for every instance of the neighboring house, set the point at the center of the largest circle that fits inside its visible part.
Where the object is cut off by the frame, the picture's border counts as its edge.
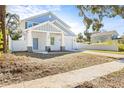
(44, 32)
(103, 36)
(121, 39)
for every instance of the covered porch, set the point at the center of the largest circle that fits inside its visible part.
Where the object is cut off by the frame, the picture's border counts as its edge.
(45, 41)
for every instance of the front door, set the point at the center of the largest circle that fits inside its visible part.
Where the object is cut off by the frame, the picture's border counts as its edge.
(35, 43)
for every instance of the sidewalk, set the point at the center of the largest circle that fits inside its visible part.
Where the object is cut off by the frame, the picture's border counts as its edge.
(72, 78)
(105, 54)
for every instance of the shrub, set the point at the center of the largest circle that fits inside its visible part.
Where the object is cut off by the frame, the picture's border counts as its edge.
(121, 47)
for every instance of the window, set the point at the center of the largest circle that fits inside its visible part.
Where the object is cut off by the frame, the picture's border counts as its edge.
(29, 24)
(114, 37)
(35, 24)
(26, 25)
(52, 40)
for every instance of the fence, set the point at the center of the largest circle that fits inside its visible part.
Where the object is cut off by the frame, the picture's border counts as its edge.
(18, 45)
(113, 47)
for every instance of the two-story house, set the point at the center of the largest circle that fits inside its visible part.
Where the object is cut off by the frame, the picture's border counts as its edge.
(44, 32)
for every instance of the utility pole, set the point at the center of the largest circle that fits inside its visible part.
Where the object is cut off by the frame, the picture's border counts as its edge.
(2, 19)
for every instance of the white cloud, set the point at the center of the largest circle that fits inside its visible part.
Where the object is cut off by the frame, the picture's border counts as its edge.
(26, 11)
(53, 8)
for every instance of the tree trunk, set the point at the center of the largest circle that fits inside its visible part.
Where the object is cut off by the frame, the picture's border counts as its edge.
(2, 19)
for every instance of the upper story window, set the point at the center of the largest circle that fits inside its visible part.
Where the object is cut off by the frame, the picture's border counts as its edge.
(35, 24)
(30, 24)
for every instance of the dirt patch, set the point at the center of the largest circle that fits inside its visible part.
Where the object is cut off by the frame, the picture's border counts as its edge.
(15, 69)
(86, 84)
(113, 80)
(42, 56)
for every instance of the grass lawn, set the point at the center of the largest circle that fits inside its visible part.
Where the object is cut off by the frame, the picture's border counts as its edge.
(113, 80)
(15, 69)
(105, 51)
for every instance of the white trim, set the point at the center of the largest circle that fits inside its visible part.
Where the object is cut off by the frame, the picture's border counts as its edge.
(47, 39)
(56, 27)
(51, 23)
(59, 23)
(60, 20)
(37, 25)
(68, 30)
(29, 38)
(29, 18)
(44, 24)
(44, 31)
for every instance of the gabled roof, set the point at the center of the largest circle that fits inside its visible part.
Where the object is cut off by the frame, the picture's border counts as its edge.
(104, 33)
(47, 13)
(64, 28)
(56, 28)
(70, 33)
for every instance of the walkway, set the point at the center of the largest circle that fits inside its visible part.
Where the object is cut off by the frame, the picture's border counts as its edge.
(72, 78)
(105, 54)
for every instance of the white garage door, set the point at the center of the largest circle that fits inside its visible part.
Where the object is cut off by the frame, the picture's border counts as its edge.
(68, 42)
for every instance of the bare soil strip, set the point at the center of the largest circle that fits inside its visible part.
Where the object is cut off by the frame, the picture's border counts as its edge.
(15, 69)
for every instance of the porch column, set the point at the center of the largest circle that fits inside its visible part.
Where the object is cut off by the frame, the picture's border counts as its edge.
(29, 39)
(47, 47)
(62, 47)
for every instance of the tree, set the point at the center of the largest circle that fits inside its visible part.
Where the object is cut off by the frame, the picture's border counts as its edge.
(2, 27)
(13, 26)
(93, 15)
(80, 37)
(98, 12)
(88, 35)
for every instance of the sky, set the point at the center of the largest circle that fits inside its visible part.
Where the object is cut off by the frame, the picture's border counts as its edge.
(68, 13)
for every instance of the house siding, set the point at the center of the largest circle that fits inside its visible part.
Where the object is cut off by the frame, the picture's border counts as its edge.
(103, 38)
(69, 42)
(57, 42)
(41, 40)
(47, 27)
(44, 25)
